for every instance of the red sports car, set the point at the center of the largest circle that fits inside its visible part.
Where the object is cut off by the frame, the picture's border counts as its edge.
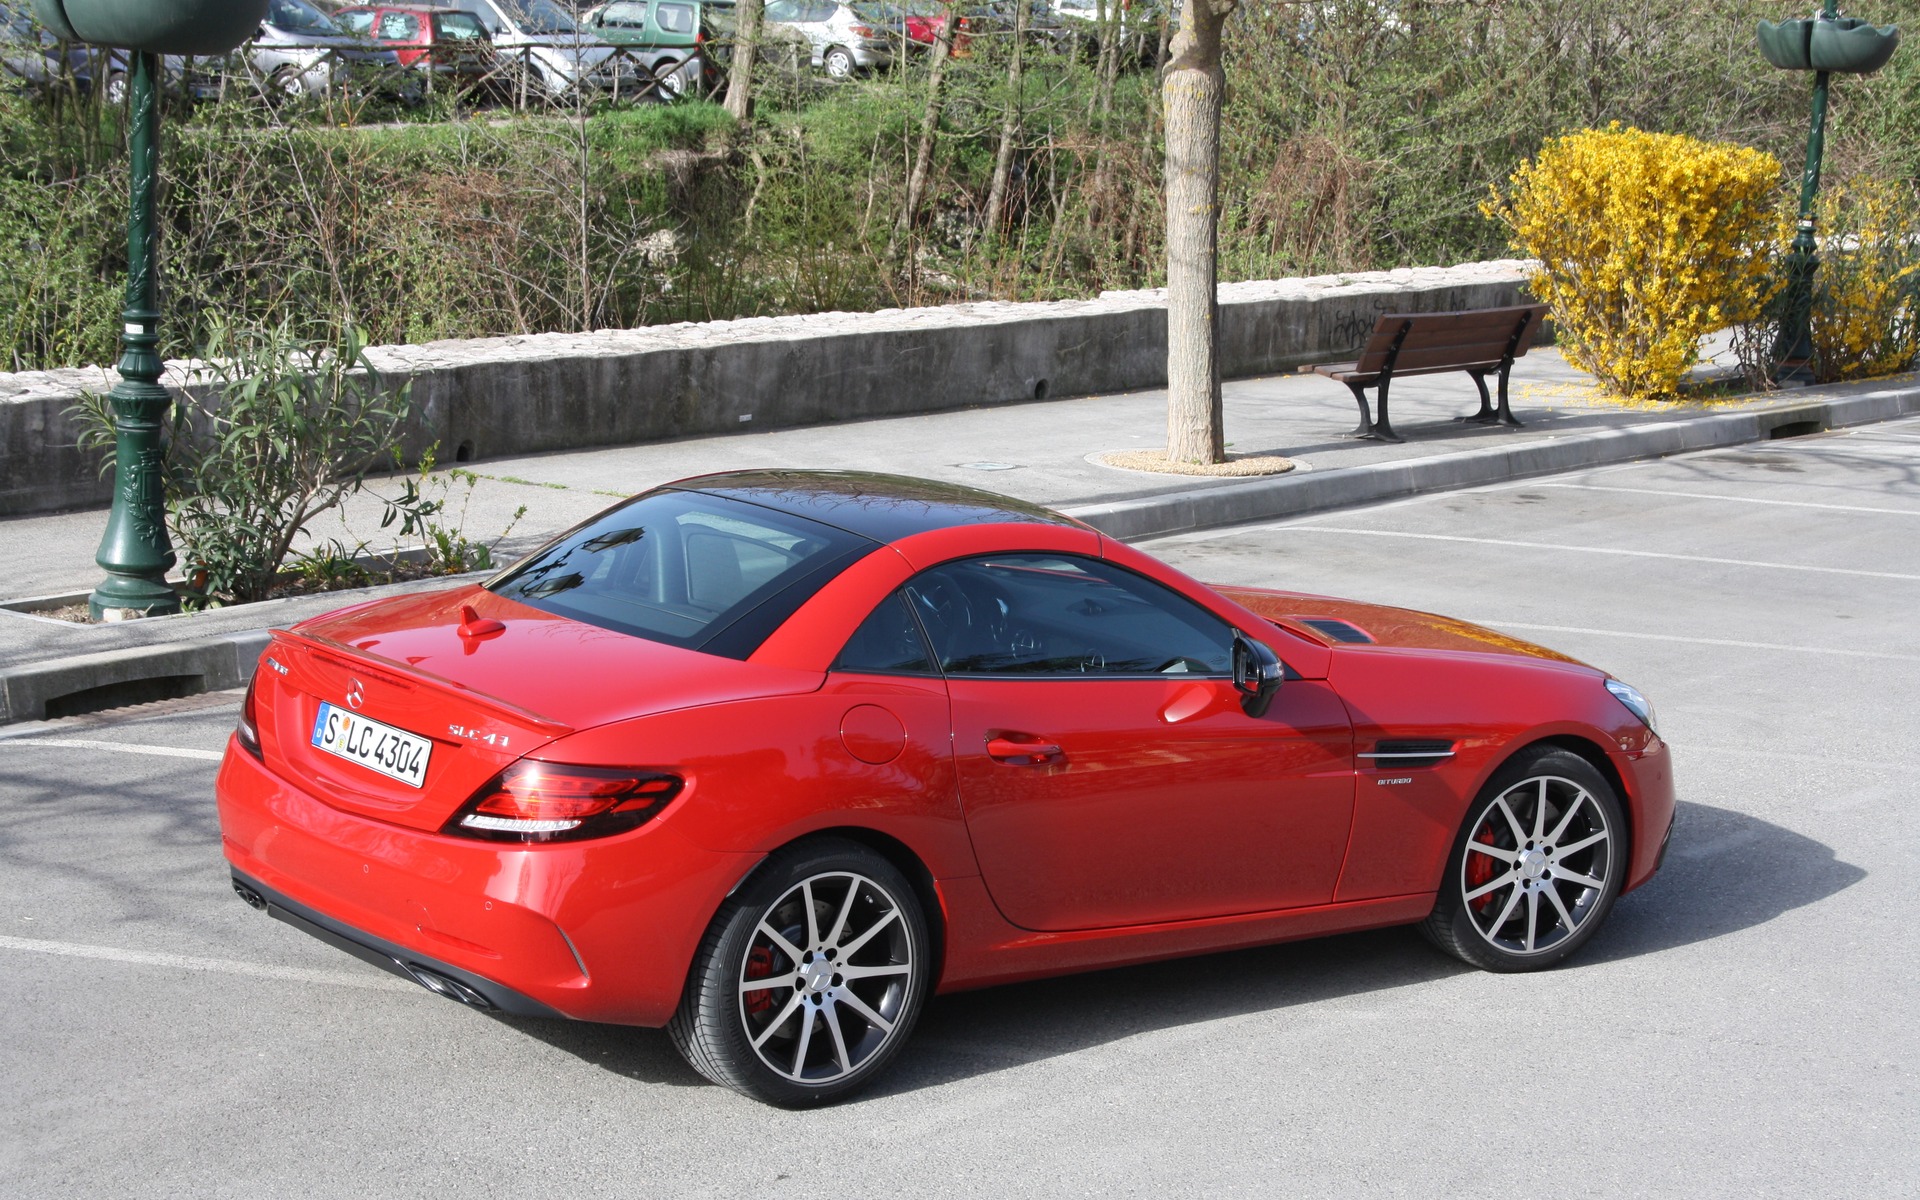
(770, 757)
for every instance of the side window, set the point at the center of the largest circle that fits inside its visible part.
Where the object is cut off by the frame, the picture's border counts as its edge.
(783, 10)
(398, 27)
(624, 16)
(674, 18)
(1053, 614)
(357, 23)
(887, 643)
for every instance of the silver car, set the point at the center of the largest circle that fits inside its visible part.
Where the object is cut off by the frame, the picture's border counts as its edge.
(302, 51)
(845, 36)
(542, 38)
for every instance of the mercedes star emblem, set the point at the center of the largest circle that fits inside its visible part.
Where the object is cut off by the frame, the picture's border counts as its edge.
(356, 694)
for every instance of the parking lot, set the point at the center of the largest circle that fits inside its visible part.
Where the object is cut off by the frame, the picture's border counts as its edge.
(1742, 1026)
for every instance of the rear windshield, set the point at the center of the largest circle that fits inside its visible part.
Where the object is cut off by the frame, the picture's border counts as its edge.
(684, 568)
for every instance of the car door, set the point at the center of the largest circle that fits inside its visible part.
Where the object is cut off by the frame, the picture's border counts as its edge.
(1108, 772)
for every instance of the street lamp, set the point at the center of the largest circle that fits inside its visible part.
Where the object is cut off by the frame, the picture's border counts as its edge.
(135, 551)
(1823, 43)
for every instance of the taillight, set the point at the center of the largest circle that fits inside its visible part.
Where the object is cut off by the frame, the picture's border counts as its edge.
(555, 802)
(247, 732)
(865, 31)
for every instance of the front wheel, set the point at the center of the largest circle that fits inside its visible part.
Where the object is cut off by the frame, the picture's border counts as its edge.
(809, 979)
(1537, 866)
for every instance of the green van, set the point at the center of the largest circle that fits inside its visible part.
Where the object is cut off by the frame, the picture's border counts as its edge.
(665, 36)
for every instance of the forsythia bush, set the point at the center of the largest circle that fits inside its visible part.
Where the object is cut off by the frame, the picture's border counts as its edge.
(1646, 241)
(1866, 304)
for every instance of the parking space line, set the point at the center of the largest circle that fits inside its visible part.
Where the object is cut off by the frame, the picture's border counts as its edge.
(119, 747)
(188, 962)
(1639, 636)
(1609, 550)
(1640, 491)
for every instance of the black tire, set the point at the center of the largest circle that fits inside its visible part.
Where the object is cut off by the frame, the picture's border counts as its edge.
(808, 1038)
(1520, 890)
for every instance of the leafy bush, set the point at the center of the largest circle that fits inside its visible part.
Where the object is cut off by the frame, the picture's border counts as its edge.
(1866, 301)
(1646, 241)
(284, 429)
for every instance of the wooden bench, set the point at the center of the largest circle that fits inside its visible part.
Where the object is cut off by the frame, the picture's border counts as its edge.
(1478, 342)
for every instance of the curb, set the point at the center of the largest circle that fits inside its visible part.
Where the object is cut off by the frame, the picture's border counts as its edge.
(110, 679)
(1315, 491)
(82, 683)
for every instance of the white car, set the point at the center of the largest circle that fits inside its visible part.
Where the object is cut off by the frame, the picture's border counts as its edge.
(845, 37)
(544, 38)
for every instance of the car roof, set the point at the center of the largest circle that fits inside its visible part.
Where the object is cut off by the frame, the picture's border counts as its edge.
(885, 508)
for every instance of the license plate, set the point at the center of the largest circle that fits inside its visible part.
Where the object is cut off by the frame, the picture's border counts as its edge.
(394, 753)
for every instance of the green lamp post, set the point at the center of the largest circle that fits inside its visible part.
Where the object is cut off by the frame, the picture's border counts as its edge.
(135, 551)
(1824, 43)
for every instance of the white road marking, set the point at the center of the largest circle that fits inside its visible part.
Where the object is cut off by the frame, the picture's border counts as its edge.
(1639, 636)
(1689, 558)
(187, 962)
(1640, 491)
(120, 747)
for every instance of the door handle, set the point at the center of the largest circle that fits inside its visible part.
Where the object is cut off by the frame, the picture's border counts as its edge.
(1022, 752)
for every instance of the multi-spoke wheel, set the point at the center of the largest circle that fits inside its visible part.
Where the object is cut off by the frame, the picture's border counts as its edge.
(1537, 866)
(809, 980)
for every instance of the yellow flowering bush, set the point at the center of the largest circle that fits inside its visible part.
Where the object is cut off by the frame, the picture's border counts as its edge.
(1646, 241)
(1866, 300)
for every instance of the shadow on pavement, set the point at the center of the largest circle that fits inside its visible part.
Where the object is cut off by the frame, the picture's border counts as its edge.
(1726, 872)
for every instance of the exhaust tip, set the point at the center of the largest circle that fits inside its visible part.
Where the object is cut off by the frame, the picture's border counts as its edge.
(452, 989)
(254, 899)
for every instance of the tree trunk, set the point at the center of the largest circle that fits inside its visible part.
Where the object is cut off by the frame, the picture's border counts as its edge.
(746, 44)
(929, 121)
(1009, 125)
(1192, 92)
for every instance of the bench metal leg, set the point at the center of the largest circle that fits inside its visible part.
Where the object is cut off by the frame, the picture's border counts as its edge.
(1382, 429)
(1506, 413)
(1365, 428)
(1486, 415)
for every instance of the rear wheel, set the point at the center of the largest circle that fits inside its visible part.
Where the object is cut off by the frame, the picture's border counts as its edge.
(810, 978)
(838, 61)
(1537, 866)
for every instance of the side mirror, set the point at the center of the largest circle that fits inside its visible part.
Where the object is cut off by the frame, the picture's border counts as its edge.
(1257, 673)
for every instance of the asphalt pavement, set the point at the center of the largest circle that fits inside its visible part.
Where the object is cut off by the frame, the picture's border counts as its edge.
(1742, 1026)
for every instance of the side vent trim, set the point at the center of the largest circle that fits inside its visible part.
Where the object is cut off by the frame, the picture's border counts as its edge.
(1409, 752)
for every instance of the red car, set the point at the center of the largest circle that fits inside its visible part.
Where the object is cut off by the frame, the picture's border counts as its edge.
(924, 19)
(770, 757)
(449, 42)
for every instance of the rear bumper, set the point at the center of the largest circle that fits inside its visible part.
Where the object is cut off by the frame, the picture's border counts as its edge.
(601, 930)
(439, 977)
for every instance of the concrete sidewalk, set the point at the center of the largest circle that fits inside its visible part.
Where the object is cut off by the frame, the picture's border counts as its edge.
(1042, 451)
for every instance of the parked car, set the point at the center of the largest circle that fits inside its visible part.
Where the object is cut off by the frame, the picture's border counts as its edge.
(925, 19)
(846, 36)
(542, 39)
(667, 37)
(302, 51)
(1001, 16)
(450, 44)
(770, 757)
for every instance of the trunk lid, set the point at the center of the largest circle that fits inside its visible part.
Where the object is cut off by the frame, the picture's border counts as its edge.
(480, 701)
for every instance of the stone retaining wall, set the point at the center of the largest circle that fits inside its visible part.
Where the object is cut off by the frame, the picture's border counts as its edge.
(518, 395)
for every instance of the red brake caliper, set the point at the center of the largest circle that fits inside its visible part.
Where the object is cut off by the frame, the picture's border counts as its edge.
(759, 966)
(1480, 870)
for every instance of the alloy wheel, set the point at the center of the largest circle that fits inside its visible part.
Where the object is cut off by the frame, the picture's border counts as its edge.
(1536, 865)
(827, 975)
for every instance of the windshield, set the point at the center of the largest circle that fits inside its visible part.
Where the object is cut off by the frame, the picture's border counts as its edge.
(297, 16)
(870, 10)
(685, 568)
(540, 16)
